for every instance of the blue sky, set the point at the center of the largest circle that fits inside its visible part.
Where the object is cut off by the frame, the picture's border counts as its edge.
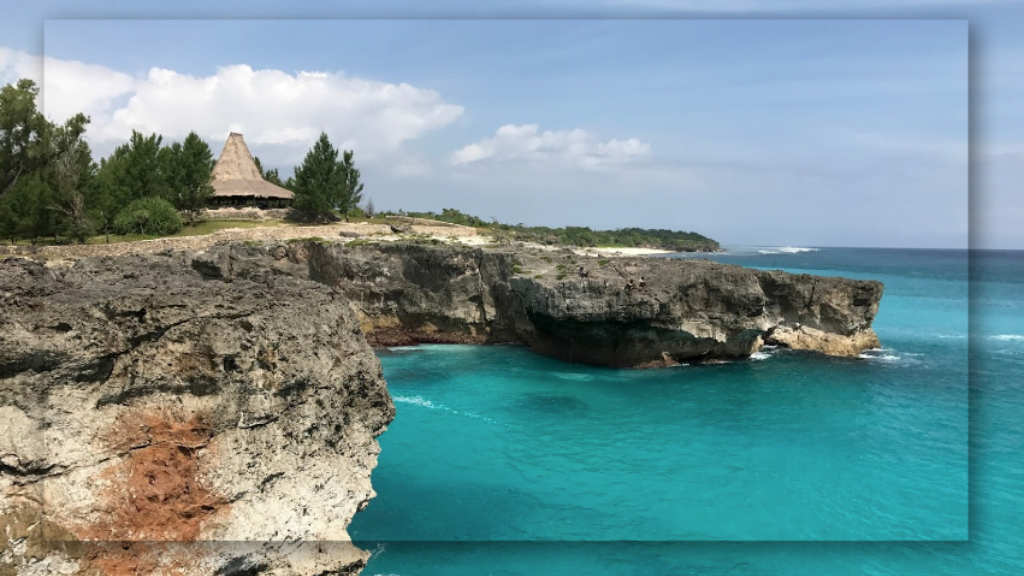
(772, 132)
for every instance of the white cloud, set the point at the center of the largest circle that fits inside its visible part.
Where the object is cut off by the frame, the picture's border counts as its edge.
(69, 87)
(280, 112)
(275, 107)
(15, 64)
(572, 148)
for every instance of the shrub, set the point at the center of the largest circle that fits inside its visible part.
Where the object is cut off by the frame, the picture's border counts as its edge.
(150, 216)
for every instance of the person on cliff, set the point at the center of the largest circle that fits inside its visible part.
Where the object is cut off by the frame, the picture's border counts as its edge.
(629, 285)
(642, 283)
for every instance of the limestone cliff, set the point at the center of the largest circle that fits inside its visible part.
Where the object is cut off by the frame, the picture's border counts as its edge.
(690, 309)
(156, 420)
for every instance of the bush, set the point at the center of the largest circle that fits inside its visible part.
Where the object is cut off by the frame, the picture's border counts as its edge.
(149, 216)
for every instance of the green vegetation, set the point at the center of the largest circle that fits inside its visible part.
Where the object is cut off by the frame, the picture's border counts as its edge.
(152, 216)
(325, 186)
(602, 262)
(577, 235)
(53, 191)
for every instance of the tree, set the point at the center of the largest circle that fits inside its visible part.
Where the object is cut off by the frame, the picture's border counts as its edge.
(71, 171)
(273, 177)
(189, 169)
(370, 211)
(32, 199)
(270, 174)
(144, 173)
(351, 193)
(105, 196)
(21, 133)
(318, 181)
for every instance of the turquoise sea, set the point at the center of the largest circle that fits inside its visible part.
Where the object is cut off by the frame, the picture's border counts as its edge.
(905, 461)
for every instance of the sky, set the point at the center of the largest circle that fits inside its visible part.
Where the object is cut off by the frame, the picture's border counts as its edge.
(785, 129)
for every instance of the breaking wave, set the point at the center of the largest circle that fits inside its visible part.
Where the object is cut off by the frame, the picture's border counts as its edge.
(889, 355)
(785, 250)
(766, 352)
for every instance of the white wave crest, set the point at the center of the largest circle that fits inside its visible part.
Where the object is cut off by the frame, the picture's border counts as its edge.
(784, 250)
(1008, 337)
(758, 356)
(418, 401)
(424, 403)
(879, 354)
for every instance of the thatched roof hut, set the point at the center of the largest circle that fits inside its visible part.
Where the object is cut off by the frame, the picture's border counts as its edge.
(237, 180)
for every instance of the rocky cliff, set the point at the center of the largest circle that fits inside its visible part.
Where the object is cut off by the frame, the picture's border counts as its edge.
(690, 309)
(158, 420)
(216, 412)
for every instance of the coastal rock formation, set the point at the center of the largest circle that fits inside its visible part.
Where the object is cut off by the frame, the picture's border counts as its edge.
(689, 310)
(157, 418)
(216, 412)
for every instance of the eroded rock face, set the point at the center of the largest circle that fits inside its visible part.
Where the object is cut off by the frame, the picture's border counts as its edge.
(156, 419)
(689, 310)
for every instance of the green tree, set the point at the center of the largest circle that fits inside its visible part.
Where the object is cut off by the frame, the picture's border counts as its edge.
(273, 177)
(143, 173)
(318, 181)
(270, 174)
(351, 193)
(71, 171)
(105, 195)
(189, 169)
(9, 220)
(32, 198)
(22, 131)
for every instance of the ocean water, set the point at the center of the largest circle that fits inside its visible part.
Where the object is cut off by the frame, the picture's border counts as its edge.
(905, 461)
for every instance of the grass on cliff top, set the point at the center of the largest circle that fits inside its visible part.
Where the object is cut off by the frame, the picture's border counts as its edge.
(580, 236)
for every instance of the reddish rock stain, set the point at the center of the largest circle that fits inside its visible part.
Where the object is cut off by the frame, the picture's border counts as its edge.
(155, 495)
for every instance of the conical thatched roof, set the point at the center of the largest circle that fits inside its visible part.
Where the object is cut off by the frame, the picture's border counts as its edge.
(236, 173)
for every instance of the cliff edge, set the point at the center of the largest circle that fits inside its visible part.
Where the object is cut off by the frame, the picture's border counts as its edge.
(154, 420)
(690, 310)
